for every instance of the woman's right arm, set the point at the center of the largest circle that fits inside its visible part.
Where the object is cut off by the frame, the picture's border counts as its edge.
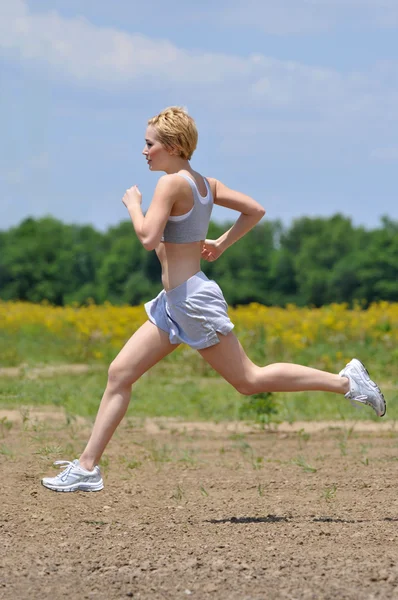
(251, 213)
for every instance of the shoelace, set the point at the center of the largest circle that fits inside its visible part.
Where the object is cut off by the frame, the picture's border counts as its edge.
(68, 468)
(361, 398)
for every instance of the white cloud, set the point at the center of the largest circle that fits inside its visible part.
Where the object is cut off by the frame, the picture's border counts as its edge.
(79, 50)
(76, 49)
(284, 101)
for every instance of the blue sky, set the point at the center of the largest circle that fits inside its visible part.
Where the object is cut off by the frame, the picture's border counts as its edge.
(295, 101)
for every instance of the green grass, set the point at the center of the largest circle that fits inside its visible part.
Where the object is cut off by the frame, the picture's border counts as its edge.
(183, 385)
(33, 344)
(164, 392)
(196, 398)
(319, 406)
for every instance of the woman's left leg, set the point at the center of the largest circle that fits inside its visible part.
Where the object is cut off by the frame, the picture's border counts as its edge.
(230, 360)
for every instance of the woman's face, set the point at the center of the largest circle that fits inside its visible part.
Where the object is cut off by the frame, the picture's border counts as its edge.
(156, 155)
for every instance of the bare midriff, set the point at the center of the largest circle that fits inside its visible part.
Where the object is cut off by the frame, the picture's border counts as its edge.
(179, 262)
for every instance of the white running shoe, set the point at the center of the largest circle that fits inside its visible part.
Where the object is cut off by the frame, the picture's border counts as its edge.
(74, 478)
(362, 388)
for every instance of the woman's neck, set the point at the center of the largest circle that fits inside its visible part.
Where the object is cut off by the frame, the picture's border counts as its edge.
(179, 164)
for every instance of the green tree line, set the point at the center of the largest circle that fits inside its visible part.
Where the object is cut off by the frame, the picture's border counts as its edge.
(314, 261)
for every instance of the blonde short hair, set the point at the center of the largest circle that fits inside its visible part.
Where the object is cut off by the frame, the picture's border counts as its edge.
(176, 130)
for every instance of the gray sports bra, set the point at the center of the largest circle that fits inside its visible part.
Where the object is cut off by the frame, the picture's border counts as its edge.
(193, 225)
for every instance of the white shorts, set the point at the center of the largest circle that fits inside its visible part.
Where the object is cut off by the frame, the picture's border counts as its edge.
(193, 313)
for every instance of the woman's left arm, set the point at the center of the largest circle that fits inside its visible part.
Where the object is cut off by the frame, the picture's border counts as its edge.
(149, 228)
(251, 213)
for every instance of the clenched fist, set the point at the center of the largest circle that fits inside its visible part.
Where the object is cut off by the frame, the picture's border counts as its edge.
(132, 196)
(211, 250)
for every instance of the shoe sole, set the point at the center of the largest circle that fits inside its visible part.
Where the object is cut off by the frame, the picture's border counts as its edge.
(362, 367)
(77, 488)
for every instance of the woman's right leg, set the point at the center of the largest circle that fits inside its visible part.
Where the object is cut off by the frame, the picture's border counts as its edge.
(230, 360)
(145, 348)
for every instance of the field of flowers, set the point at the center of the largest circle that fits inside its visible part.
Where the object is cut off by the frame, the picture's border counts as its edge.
(324, 337)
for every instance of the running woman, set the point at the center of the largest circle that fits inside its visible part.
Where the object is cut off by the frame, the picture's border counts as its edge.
(191, 308)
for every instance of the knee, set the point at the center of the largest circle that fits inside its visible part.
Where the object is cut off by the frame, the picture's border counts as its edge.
(118, 377)
(247, 385)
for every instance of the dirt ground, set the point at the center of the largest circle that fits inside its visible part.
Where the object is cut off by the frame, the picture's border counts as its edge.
(201, 511)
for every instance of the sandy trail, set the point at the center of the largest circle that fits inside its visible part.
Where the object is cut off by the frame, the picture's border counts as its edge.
(202, 510)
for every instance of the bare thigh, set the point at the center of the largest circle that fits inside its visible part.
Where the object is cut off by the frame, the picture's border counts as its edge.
(230, 360)
(147, 346)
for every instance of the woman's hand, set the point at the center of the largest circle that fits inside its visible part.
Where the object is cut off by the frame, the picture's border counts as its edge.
(211, 250)
(132, 197)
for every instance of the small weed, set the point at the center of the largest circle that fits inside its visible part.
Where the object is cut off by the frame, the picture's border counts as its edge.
(160, 454)
(262, 408)
(5, 451)
(257, 462)
(25, 414)
(261, 489)
(5, 426)
(303, 436)
(329, 493)
(321, 457)
(178, 494)
(301, 462)
(364, 450)
(188, 457)
(32, 425)
(133, 464)
(342, 444)
(248, 452)
(203, 491)
(48, 450)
